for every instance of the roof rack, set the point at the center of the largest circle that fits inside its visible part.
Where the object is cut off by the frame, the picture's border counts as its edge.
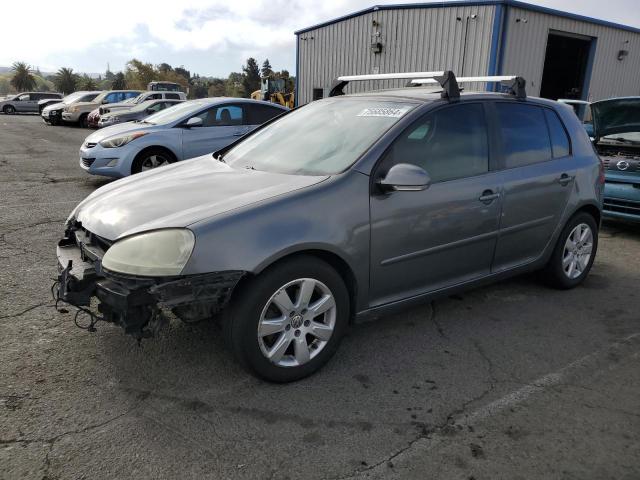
(516, 85)
(446, 79)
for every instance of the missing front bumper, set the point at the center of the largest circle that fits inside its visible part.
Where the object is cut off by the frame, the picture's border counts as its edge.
(137, 304)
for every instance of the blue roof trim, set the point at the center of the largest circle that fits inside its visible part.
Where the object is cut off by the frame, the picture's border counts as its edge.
(476, 3)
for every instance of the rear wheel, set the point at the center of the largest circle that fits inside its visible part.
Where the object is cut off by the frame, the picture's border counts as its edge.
(286, 323)
(150, 159)
(9, 109)
(574, 253)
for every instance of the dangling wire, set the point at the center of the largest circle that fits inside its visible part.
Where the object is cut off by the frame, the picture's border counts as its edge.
(80, 310)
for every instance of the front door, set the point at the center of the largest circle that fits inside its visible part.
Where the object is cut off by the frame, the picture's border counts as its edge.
(423, 241)
(221, 125)
(538, 176)
(27, 103)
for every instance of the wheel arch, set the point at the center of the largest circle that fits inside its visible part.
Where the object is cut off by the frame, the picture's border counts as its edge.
(148, 148)
(336, 261)
(591, 209)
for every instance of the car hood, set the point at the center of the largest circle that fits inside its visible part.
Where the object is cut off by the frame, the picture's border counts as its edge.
(55, 106)
(179, 195)
(103, 133)
(616, 116)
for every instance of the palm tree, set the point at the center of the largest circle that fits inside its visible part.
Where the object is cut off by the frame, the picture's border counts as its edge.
(88, 83)
(22, 79)
(119, 82)
(65, 80)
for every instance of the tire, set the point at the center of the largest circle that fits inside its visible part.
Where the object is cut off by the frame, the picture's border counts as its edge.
(566, 268)
(253, 314)
(82, 121)
(145, 160)
(9, 109)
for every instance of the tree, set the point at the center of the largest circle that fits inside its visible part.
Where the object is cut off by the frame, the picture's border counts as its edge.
(266, 69)
(5, 86)
(119, 82)
(66, 81)
(88, 83)
(182, 72)
(234, 85)
(165, 67)
(217, 87)
(139, 74)
(22, 79)
(109, 75)
(251, 80)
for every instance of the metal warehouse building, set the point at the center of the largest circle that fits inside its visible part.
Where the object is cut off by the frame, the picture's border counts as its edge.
(561, 55)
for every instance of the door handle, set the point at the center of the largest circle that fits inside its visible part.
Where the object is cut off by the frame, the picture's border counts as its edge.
(565, 179)
(488, 196)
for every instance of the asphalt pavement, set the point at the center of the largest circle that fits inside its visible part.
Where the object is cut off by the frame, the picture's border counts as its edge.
(514, 381)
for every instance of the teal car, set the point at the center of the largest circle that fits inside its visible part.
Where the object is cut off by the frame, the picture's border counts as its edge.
(614, 127)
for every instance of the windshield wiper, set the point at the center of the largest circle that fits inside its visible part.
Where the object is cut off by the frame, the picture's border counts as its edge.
(220, 158)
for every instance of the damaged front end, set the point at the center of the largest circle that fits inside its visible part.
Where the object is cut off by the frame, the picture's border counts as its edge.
(137, 304)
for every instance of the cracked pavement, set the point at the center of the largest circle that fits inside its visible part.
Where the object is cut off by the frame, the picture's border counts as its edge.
(512, 381)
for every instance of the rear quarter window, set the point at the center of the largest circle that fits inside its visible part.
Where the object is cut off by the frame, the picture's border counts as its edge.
(560, 145)
(525, 136)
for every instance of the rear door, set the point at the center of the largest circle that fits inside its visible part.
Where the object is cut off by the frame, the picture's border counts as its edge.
(221, 125)
(538, 176)
(423, 241)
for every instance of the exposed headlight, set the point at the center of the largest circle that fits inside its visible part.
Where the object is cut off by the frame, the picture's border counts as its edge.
(73, 109)
(155, 254)
(115, 142)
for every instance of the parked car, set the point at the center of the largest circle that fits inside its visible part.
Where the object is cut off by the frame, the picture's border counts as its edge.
(53, 113)
(138, 112)
(616, 132)
(345, 208)
(187, 130)
(25, 102)
(143, 97)
(79, 112)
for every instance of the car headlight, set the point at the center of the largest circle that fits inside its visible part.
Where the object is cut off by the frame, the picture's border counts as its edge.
(73, 109)
(155, 254)
(119, 141)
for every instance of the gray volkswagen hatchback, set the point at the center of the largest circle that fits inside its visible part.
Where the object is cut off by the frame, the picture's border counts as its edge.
(347, 207)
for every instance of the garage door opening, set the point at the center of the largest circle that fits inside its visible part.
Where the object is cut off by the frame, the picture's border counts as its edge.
(567, 66)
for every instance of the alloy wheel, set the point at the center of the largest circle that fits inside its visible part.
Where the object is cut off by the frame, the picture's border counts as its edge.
(154, 161)
(577, 251)
(297, 322)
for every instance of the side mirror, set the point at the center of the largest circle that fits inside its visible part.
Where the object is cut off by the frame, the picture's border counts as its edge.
(193, 122)
(405, 177)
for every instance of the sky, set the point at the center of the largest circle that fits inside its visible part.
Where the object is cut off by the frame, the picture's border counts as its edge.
(208, 37)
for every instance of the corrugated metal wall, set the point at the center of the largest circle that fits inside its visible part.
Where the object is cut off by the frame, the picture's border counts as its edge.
(526, 43)
(414, 39)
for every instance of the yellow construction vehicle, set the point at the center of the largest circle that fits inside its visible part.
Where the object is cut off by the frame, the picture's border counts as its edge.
(272, 90)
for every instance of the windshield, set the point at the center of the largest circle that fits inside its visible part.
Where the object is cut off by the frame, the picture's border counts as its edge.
(174, 113)
(323, 138)
(71, 97)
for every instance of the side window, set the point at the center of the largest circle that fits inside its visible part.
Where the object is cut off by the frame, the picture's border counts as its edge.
(156, 107)
(449, 143)
(560, 145)
(24, 98)
(222, 116)
(112, 97)
(154, 96)
(227, 115)
(259, 114)
(36, 96)
(172, 96)
(525, 136)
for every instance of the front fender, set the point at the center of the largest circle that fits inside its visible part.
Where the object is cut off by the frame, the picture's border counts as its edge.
(331, 216)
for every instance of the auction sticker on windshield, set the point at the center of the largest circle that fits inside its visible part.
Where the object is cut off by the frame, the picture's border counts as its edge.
(384, 112)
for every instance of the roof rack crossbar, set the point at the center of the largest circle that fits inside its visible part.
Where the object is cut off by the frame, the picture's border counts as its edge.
(446, 79)
(515, 84)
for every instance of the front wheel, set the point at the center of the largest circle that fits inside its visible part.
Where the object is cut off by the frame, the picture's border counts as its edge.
(286, 323)
(150, 159)
(574, 253)
(9, 109)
